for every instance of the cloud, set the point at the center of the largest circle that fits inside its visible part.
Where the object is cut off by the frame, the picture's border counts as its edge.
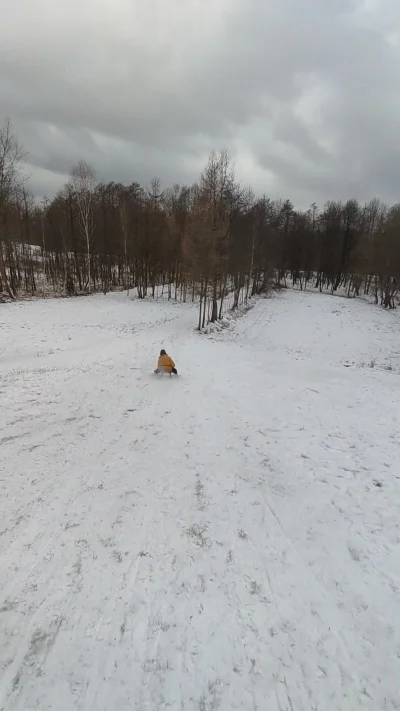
(304, 95)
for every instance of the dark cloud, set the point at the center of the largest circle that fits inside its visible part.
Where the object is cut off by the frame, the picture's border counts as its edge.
(303, 94)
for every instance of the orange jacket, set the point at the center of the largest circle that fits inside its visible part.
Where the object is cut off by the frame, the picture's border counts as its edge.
(165, 364)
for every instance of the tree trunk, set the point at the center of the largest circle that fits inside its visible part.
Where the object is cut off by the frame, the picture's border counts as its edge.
(88, 258)
(4, 278)
(214, 312)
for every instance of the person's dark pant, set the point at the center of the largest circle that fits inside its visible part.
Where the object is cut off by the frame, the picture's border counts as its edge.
(174, 371)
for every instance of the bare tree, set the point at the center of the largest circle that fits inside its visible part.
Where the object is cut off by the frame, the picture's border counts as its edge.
(83, 179)
(11, 181)
(217, 196)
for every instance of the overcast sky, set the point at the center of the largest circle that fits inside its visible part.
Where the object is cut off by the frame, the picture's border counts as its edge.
(305, 94)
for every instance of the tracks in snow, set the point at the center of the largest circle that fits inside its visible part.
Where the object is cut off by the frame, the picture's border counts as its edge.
(163, 543)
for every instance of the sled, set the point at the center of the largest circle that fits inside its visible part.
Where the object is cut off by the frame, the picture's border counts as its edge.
(162, 374)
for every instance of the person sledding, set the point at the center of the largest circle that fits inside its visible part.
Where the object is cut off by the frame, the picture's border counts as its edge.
(165, 364)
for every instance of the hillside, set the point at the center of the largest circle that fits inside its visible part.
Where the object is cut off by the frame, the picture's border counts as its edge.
(225, 540)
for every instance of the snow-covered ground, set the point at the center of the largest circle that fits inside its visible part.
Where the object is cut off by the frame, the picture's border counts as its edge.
(228, 540)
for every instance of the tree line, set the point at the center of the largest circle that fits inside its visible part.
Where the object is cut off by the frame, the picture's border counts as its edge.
(199, 242)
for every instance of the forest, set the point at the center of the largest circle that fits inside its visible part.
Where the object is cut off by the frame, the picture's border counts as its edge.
(200, 242)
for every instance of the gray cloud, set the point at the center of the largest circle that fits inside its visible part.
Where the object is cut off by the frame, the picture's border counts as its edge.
(303, 94)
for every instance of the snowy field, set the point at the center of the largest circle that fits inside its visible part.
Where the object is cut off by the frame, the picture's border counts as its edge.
(228, 540)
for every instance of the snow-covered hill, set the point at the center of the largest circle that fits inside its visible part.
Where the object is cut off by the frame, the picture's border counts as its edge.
(228, 540)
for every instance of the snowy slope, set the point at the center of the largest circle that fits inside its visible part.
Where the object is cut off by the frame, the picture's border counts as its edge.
(224, 541)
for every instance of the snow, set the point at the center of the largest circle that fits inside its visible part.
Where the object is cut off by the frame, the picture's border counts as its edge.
(226, 540)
